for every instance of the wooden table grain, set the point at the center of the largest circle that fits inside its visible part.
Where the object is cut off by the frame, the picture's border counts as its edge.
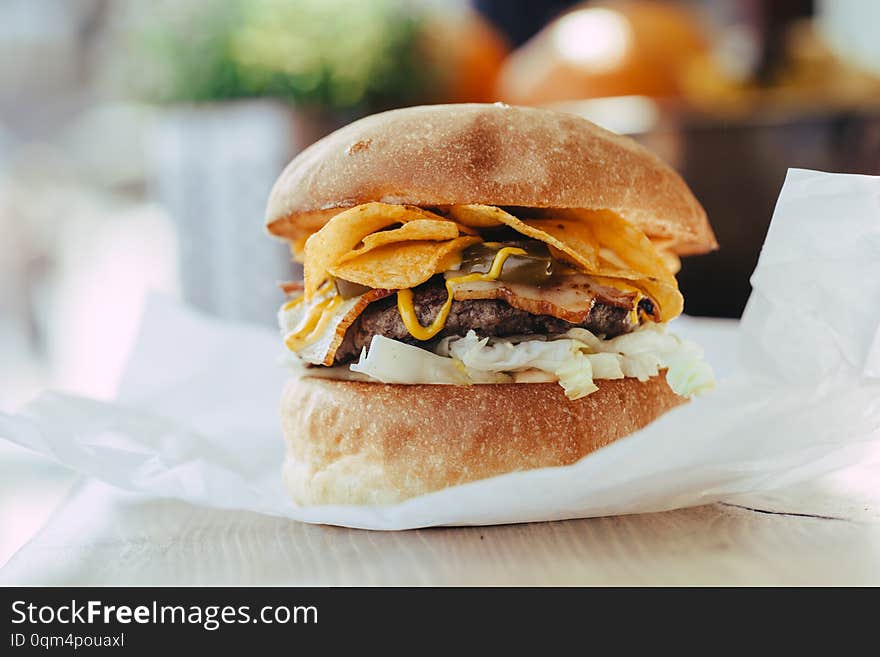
(826, 533)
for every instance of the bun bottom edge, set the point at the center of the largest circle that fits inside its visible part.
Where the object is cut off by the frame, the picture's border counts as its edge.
(361, 443)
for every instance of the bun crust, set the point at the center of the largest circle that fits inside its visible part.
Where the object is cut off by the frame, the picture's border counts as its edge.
(491, 154)
(370, 443)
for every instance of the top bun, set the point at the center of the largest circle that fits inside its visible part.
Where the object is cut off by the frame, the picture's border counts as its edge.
(490, 154)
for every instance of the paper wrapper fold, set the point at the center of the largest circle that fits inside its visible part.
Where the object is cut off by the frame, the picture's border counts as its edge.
(197, 416)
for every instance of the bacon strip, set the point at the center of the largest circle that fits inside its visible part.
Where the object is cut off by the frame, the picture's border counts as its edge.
(292, 287)
(570, 299)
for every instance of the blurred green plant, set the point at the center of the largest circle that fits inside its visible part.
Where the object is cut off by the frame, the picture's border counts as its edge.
(332, 55)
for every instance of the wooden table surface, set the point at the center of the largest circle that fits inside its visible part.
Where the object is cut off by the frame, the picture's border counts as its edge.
(824, 533)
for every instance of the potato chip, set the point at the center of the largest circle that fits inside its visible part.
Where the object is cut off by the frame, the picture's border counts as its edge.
(435, 230)
(345, 231)
(663, 291)
(672, 261)
(628, 242)
(400, 266)
(465, 230)
(475, 216)
(626, 253)
(571, 237)
(666, 296)
(298, 248)
(664, 248)
(598, 242)
(609, 232)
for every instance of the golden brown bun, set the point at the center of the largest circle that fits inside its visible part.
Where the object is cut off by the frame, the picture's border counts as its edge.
(491, 154)
(371, 443)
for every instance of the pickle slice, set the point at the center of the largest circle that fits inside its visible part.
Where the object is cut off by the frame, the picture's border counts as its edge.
(537, 267)
(349, 290)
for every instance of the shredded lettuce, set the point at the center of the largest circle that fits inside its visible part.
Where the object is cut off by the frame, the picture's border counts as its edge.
(578, 357)
(574, 359)
(505, 356)
(605, 366)
(576, 376)
(390, 361)
(563, 358)
(688, 373)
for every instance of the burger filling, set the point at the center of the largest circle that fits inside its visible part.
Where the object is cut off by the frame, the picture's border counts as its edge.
(474, 294)
(608, 315)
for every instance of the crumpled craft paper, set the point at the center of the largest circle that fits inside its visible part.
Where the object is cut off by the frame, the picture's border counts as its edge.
(196, 418)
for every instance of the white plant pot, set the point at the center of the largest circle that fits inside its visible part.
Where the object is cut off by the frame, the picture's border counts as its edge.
(214, 166)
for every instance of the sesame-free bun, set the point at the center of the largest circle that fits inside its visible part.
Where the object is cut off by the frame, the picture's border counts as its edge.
(351, 442)
(438, 155)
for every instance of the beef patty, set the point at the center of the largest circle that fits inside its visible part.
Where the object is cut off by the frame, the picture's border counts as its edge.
(487, 317)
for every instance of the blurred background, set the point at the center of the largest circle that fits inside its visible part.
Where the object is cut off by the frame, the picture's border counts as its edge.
(138, 143)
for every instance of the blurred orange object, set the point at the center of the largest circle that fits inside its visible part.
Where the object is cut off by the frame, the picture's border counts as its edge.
(622, 48)
(468, 52)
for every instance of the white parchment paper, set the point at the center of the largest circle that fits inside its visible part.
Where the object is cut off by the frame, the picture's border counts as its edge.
(197, 414)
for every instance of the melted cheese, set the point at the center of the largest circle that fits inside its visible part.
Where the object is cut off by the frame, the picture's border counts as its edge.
(322, 347)
(405, 298)
(312, 324)
(293, 303)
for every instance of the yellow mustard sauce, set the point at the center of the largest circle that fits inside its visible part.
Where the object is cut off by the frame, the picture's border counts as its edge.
(405, 297)
(312, 324)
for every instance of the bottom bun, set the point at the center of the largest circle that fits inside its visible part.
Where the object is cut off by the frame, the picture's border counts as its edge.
(350, 442)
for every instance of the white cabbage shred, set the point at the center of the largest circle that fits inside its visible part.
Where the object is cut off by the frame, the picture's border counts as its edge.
(391, 361)
(574, 359)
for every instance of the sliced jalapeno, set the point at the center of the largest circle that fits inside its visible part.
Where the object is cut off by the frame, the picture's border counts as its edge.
(536, 267)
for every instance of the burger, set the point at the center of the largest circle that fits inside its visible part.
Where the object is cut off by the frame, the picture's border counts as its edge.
(485, 290)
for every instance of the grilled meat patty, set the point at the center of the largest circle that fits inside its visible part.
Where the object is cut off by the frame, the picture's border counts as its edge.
(487, 317)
